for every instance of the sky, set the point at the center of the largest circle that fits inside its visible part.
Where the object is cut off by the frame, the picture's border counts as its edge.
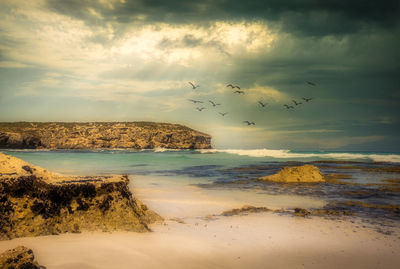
(131, 60)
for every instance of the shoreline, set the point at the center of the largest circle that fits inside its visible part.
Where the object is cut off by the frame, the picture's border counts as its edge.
(197, 234)
(278, 155)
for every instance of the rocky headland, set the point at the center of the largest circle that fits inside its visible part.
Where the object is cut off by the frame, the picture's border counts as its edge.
(100, 135)
(35, 201)
(296, 174)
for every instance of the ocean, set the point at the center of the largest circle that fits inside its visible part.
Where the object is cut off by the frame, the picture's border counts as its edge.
(367, 184)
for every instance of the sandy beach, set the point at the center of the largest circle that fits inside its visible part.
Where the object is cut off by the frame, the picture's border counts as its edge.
(262, 240)
(194, 235)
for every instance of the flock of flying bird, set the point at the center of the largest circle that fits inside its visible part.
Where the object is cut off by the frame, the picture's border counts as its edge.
(239, 92)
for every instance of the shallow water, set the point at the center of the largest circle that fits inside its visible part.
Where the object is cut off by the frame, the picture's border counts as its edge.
(228, 178)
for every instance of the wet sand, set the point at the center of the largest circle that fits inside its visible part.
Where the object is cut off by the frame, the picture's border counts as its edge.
(173, 198)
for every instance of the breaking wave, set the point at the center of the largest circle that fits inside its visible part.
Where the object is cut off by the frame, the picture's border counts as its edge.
(159, 149)
(287, 154)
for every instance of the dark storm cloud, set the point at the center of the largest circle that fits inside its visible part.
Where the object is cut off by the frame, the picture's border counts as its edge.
(359, 64)
(309, 17)
(77, 9)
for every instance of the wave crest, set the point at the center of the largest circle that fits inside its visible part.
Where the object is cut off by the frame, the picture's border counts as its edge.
(287, 154)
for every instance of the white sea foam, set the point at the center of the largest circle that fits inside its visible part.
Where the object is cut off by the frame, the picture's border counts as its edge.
(159, 149)
(287, 154)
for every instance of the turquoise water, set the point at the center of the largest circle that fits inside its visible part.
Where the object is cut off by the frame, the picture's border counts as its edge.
(131, 162)
(233, 171)
(128, 162)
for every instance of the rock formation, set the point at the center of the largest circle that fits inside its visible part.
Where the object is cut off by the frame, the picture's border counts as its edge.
(245, 210)
(98, 135)
(18, 258)
(34, 201)
(296, 174)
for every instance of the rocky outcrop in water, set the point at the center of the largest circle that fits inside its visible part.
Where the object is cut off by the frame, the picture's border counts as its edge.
(100, 135)
(34, 201)
(296, 174)
(19, 258)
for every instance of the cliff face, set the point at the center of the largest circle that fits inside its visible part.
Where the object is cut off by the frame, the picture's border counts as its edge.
(97, 135)
(34, 201)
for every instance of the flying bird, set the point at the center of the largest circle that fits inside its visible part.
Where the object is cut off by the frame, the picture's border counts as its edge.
(223, 114)
(249, 122)
(311, 83)
(262, 104)
(233, 86)
(214, 104)
(239, 92)
(200, 108)
(307, 99)
(296, 103)
(195, 101)
(287, 106)
(194, 86)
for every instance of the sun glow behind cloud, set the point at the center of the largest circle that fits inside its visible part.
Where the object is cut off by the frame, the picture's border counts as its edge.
(61, 42)
(67, 45)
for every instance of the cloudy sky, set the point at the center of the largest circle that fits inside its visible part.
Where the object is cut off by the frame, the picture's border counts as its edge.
(131, 60)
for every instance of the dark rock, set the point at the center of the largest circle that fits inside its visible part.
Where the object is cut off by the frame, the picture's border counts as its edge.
(245, 210)
(27, 168)
(301, 212)
(106, 203)
(19, 258)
